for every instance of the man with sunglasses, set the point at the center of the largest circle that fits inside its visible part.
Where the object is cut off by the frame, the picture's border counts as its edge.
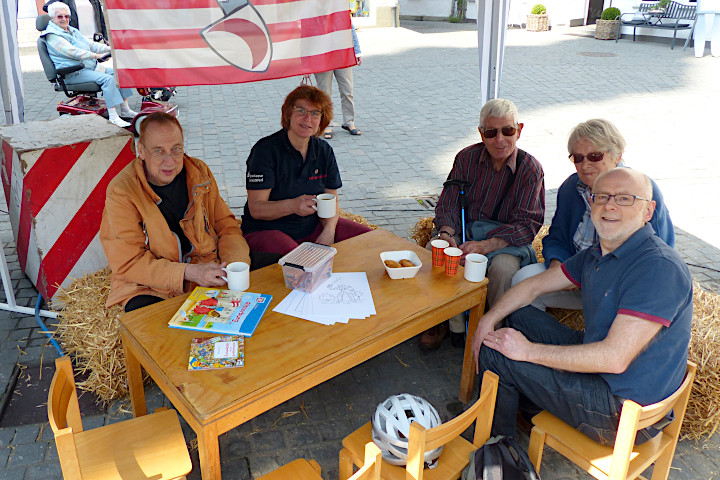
(595, 146)
(637, 294)
(505, 207)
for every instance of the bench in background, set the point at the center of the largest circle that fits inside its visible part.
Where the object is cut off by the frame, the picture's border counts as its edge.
(669, 18)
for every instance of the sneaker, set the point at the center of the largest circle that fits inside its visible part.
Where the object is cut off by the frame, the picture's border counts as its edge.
(120, 122)
(127, 113)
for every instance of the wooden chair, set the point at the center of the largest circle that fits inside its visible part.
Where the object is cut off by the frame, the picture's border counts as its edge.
(456, 452)
(148, 447)
(625, 460)
(302, 469)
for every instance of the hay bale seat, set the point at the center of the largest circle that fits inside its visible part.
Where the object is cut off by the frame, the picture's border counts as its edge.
(703, 411)
(90, 332)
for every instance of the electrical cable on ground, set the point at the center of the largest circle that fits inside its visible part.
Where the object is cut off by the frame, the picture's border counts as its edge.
(44, 329)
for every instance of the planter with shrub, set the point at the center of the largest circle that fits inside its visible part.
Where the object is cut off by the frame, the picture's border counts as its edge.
(606, 27)
(538, 21)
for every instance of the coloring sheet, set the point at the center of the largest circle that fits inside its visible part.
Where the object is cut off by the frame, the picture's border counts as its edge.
(342, 297)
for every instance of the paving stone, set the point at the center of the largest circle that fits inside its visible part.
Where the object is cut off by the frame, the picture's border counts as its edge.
(16, 473)
(25, 434)
(267, 440)
(235, 446)
(47, 471)
(302, 435)
(27, 454)
(4, 454)
(267, 462)
(6, 436)
(237, 468)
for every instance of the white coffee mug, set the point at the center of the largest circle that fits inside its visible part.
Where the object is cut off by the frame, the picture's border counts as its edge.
(238, 276)
(326, 204)
(475, 267)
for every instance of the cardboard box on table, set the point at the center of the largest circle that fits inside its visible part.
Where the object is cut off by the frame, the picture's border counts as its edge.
(54, 175)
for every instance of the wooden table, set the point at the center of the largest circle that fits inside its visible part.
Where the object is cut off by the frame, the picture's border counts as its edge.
(286, 355)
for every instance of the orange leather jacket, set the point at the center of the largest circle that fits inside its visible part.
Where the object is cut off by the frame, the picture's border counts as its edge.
(142, 251)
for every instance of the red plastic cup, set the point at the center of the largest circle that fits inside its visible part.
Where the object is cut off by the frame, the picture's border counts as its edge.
(438, 256)
(452, 260)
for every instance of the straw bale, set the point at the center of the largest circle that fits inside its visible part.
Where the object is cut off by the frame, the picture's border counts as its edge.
(703, 412)
(574, 319)
(422, 231)
(89, 331)
(357, 219)
(537, 242)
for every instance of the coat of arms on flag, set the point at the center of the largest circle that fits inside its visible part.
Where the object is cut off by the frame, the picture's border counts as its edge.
(210, 42)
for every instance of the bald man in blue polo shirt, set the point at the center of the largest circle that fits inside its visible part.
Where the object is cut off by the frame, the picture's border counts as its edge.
(637, 300)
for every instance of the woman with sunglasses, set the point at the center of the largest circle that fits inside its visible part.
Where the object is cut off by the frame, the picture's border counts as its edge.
(595, 147)
(286, 171)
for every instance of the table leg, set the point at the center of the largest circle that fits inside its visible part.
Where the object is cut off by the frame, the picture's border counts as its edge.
(135, 381)
(209, 451)
(467, 379)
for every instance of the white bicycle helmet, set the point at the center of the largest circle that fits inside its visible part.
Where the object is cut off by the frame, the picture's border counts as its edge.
(391, 426)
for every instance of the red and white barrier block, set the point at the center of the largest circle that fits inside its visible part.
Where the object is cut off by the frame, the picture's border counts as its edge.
(54, 176)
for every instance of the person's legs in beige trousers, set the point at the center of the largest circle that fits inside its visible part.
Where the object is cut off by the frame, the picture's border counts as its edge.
(344, 78)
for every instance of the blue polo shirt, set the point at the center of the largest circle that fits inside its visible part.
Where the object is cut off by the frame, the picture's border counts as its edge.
(647, 279)
(276, 165)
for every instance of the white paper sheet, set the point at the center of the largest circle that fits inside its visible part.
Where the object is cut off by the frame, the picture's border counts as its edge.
(342, 297)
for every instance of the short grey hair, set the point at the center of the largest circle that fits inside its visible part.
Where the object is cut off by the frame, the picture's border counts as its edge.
(601, 133)
(57, 7)
(498, 108)
(640, 178)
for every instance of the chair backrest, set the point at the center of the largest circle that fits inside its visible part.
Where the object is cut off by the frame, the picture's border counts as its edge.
(373, 462)
(633, 417)
(64, 415)
(41, 23)
(63, 407)
(680, 11)
(481, 413)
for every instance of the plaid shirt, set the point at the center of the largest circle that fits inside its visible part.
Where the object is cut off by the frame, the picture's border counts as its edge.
(522, 211)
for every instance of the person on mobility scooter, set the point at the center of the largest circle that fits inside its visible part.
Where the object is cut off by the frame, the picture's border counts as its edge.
(66, 46)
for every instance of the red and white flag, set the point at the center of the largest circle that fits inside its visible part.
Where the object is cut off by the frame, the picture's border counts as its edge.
(211, 42)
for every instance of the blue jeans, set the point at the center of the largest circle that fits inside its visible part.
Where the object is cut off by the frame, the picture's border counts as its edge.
(114, 96)
(582, 400)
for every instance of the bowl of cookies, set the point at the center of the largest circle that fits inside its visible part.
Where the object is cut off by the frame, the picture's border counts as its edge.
(401, 263)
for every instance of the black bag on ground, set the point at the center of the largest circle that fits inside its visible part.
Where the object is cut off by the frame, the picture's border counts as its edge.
(500, 458)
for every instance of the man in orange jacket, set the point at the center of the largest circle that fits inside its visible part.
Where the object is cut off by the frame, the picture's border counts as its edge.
(165, 227)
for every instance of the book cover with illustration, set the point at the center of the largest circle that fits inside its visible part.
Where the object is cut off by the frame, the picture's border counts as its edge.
(225, 351)
(214, 310)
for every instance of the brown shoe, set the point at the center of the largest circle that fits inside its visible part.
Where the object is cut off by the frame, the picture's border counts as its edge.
(432, 338)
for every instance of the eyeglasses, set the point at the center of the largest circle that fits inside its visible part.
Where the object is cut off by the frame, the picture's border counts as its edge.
(62, 16)
(304, 111)
(593, 157)
(492, 132)
(622, 200)
(160, 154)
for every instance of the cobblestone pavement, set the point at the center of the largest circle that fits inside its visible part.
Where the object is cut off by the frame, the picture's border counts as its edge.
(417, 105)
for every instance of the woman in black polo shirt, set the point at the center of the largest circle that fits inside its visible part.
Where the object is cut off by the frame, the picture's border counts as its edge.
(285, 171)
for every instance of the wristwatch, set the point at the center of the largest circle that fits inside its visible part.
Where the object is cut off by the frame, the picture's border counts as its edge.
(445, 232)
